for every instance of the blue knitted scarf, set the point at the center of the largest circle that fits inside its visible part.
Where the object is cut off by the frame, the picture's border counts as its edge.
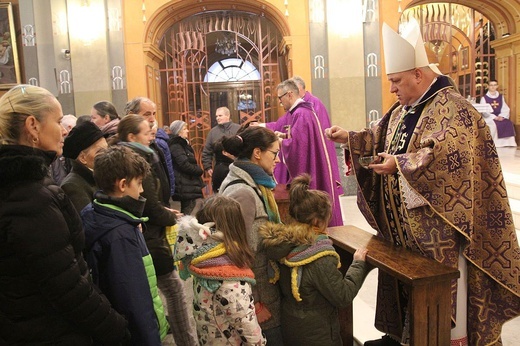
(265, 183)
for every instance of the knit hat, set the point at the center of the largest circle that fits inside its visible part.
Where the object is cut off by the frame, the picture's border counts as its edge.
(80, 138)
(177, 126)
(405, 51)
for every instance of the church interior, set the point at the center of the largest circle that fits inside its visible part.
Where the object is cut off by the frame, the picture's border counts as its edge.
(193, 56)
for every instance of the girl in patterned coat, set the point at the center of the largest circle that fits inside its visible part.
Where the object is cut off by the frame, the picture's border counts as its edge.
(213, 248)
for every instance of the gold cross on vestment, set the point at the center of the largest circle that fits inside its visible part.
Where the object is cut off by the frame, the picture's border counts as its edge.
(494, 104)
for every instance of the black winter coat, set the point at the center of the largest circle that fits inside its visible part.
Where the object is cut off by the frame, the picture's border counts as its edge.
(46, 295)
(188, 181)
(79, 185)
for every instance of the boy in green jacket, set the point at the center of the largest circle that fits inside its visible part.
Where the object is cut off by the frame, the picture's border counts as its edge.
(120, 263)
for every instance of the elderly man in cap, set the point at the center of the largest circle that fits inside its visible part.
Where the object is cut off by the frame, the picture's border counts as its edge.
(437, 189)
(81, 146)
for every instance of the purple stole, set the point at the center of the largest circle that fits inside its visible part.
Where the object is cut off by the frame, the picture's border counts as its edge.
(496, 103)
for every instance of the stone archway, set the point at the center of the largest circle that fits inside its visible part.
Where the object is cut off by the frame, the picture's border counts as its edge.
(503, 14)
(500, 12)
(173, 12)
(179, 51)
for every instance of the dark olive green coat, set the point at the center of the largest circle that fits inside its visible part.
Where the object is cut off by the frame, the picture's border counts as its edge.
(323, 288)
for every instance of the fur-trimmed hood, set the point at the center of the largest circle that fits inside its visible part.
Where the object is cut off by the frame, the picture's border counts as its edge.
(296, 233)
(21, 163)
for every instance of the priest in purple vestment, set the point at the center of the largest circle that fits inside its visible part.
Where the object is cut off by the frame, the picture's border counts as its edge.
(319, 107)
(304, 148)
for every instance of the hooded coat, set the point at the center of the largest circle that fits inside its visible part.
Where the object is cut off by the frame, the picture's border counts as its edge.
(46, 295)
(322, 287)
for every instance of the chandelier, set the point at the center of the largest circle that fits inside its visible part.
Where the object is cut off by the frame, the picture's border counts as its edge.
(226, 45)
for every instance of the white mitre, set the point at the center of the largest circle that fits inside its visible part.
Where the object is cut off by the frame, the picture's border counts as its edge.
(406, 51)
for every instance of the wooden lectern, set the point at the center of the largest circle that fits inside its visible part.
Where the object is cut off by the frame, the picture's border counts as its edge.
(428, 280)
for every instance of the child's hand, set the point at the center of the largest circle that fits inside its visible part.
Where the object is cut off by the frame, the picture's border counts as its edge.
(262, 314)
(360, 254)
(177, 213)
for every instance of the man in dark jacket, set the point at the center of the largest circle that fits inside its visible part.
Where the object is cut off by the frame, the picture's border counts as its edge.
(212, 148)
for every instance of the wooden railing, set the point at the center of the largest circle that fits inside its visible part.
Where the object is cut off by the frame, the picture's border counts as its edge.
(281, 195)
(429, 283)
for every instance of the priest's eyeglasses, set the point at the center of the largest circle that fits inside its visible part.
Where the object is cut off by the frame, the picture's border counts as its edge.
(280, 97)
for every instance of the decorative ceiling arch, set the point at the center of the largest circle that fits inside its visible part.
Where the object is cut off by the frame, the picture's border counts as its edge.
(167, 15)
(504, 14)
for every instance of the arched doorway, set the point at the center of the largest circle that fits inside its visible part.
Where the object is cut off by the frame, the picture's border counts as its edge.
(220, 58)
(458, 39)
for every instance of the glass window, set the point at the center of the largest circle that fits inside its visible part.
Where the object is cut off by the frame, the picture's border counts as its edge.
(232, 70)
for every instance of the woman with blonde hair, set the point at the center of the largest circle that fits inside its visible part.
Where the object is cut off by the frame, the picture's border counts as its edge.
(46, 295)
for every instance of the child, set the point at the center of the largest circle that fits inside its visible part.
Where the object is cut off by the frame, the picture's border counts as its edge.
(116, 252)
(219, 259)
(312, 286)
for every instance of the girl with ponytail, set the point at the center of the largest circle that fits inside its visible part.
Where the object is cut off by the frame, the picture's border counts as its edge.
(307, 269)
(250, 182)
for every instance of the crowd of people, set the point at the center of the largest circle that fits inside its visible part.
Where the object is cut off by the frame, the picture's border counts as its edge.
(85, 254)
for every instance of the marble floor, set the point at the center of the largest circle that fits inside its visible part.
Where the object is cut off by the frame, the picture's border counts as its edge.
(364, 303)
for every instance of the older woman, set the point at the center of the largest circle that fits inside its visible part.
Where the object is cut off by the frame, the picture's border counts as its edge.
(81, 146)
(250, 182)
(188, 181)
(46, 296)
